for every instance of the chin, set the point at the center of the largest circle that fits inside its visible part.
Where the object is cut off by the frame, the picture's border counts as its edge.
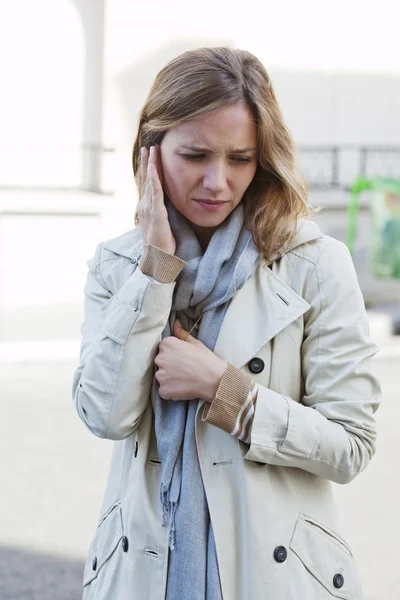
(208, 220)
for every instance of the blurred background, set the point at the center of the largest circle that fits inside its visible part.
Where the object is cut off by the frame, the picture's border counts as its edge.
(74, 75)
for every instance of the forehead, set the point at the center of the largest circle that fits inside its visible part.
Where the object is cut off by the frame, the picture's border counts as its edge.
(229, 127)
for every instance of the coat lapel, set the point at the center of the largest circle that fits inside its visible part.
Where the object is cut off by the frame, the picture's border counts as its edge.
(259, 310)
(264, 306)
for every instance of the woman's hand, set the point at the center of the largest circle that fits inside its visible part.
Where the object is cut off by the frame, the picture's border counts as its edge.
(152, 212)
(187, 369)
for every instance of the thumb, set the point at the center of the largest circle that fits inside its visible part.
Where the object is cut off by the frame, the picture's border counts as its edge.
(181, 333)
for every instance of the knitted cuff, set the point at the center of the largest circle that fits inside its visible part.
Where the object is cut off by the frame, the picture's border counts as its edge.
(160, 265)
(233, 402)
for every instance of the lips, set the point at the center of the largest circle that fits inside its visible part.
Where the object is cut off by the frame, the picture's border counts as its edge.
(210, 206)
(210, 201)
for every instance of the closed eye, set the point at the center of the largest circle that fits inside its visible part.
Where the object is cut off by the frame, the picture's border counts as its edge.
(198, 157)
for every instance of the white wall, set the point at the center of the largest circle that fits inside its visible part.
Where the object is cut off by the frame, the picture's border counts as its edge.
(52, 102)
(41, 116)
(325, 107)
(336, 75)
(334, 67)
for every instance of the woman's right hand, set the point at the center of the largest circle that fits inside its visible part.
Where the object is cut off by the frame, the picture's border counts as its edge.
(152, 212)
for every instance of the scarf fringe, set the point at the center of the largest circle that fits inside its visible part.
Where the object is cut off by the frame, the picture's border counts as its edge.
(164, 497)
(168, 507)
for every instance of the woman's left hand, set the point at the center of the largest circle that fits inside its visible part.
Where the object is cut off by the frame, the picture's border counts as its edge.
(187, 369)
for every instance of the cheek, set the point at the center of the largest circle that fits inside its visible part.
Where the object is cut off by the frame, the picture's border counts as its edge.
(178, 177)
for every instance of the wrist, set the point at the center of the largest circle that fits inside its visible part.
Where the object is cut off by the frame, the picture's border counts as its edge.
(218, 372)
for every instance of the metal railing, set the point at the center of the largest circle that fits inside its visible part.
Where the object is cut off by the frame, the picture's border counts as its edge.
(336, 167)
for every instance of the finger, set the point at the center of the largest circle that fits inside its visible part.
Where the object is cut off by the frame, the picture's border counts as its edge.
(159, 163)
(154, 162)
(144, 159)
(156, 187)
(157, 190)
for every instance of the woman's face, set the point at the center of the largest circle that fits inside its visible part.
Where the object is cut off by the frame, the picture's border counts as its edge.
(212, 157)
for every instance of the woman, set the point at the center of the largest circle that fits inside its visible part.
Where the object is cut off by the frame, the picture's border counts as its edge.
(225, 349)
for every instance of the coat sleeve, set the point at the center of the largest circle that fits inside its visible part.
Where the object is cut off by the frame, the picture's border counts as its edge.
(120, 338)
(232, 409)
(331, 432)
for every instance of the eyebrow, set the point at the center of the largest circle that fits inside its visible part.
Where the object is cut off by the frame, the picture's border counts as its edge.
(204, 149)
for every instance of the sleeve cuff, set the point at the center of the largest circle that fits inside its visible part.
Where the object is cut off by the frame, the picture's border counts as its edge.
(160, 265)
(234, 404)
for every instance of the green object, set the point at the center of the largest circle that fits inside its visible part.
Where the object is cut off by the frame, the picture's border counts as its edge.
(384, 247)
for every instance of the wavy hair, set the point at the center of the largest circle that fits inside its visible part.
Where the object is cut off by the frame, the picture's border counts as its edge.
(199, 81)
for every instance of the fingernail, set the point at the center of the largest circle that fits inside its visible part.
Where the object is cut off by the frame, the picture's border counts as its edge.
(179, 323)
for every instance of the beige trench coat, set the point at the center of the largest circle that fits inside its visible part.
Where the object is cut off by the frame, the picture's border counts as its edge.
(314, 424)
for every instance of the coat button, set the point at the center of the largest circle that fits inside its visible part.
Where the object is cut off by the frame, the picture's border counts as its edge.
(125, 544)
(280, 554)
(338, 580)
(256, 365)
(94, 563)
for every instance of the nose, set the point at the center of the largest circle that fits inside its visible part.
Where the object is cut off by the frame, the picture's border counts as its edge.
(215, 179)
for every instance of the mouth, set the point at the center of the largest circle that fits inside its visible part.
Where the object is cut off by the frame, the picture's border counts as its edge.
(210, 205)
(211, 202)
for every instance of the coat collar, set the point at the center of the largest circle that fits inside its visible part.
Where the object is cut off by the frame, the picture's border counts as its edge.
(264, 306)
(307, 231)
(129, 244)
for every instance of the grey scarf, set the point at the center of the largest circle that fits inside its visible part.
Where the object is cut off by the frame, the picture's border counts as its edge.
(204, 287)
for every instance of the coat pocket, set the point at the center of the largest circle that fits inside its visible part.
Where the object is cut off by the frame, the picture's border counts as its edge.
(108, 535)
(327, 557)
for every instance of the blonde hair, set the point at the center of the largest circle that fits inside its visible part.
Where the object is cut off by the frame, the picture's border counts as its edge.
(202, 80)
